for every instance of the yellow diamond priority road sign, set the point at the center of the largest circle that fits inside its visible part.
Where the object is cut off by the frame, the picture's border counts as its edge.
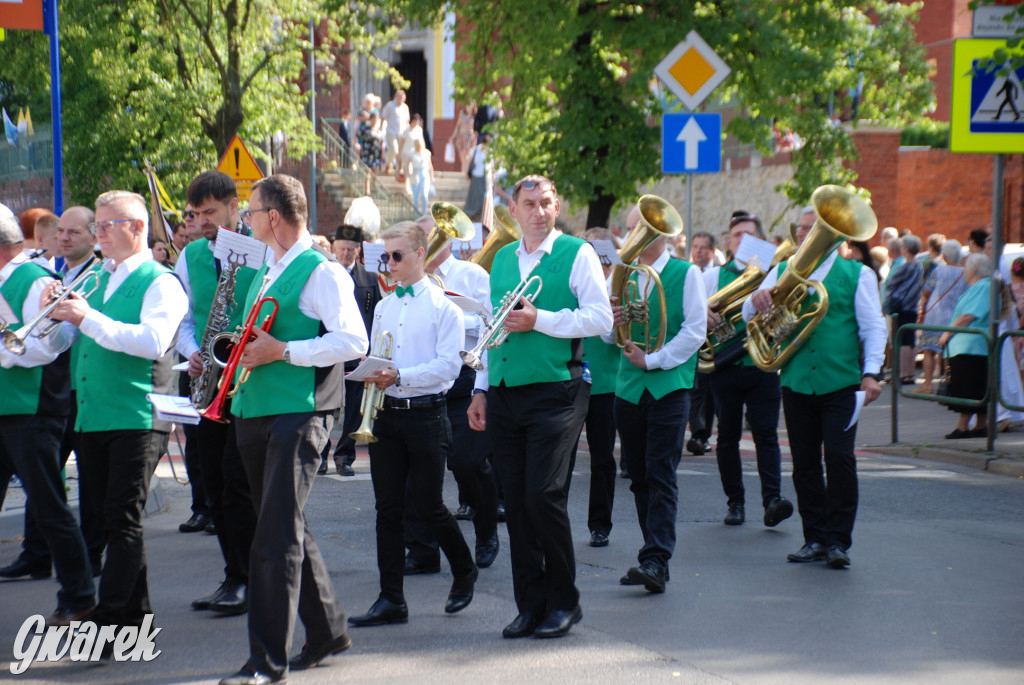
(692, 70)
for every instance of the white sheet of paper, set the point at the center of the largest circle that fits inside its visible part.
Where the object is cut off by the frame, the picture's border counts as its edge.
(606, 252)
(371, 256)
(180, 367)
(367, 367)
(173, 408)
(233, 246)
(856, 409)
(470, 306)
(753, 250)
(7, 313)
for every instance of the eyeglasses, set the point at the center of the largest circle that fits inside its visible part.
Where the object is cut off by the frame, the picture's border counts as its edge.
(530, 185)
(396, 255)
(104, 226)
(246, 214)
(189, 214)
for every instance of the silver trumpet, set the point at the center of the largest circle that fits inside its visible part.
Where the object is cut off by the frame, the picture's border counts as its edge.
(15, 340)
(373, 397)
(494, 335)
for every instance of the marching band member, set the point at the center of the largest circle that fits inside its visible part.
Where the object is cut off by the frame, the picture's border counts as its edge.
(283, 416)
(127, 327)
(652, 399)
(413, 432)
(33, 409)
(742, 384)
(534, 402)
(214, 199)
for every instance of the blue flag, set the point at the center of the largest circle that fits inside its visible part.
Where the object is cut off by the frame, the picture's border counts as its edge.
(10, 130)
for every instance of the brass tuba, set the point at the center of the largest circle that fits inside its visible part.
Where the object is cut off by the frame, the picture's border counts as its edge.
(657, 219)
(450, 223)
(775, 336)
(724, 343)
(505, 230)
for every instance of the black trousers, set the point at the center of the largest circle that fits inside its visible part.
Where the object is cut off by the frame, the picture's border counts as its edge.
(193, 464)
(228, 496)
(734, 387)
(601, 439)
(651, 432)
(533, 431)
(29, 446)
(287, 575)
(345, 452)
(114, 470)
(412, 446)
(827, 501)
(702, 407)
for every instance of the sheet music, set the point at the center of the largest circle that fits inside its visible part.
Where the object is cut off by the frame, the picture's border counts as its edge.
(183, 366)
(174, 409)
(233, 247)
(861, 395)
(469, 305)
(367, 367)
(606, 252)
(754, 251)
(371, 255)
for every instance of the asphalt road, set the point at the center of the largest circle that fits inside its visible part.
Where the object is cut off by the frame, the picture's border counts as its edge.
(934, 594)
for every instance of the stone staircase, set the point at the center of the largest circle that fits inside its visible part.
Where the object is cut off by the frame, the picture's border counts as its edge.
(452, 187)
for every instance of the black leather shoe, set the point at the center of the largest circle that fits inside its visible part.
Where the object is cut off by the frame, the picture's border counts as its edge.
(250, 676)
(696, 447)
(558, 622)
(226, 589)
(322, 470)
(346, 470)
(195, 524)
(652, 576)
(383, 612)
(233, 600)
(415, 567)
(598, 538)
(211, 528)
(310, 656)
(502, 515)
(629, 580)
(812, 551)
(20, 568)
(461, 593)
(837, 557)
(778, 510)
(487, 552)
(464, 512)
(522, 626)
(736, 514)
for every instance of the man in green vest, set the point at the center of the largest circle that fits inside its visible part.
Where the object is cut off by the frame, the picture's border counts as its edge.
(214, 199)
(127, 327)
(34, 406)
(533, 400)
(740, 384)
(652, 403)
(283, 416)
(820, 383)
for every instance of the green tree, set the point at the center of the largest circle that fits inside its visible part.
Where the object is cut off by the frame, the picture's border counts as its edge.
(575, 77)
(173, 81)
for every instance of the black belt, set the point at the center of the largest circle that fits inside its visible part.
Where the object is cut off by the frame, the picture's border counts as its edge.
(421, 402)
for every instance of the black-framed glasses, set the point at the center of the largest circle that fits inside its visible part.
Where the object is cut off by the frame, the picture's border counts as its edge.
(190, 214)
(104, 226)
(246, 214)
(530, 185)
(386, 257)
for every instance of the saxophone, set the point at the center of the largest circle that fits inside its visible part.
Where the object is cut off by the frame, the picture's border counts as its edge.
(204, 386)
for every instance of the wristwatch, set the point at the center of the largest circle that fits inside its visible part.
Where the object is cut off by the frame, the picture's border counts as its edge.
(477, 391)
(398, 378)
(287, 354)
(876, 376)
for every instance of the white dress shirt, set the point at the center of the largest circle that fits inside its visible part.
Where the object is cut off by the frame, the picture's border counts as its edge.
(692, 333)
(471, 280)
(867, 310)
(328, 297)
(70, 273)
(38, 351)
(428, 336)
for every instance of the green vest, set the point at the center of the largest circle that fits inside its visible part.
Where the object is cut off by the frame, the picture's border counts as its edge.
(726, 275)
(203, 280)
(603, 361)
(632, 381)
(97, 266)
(830, 359)
(280, 387)
(535, 357)
(21, 386)
(112, 386)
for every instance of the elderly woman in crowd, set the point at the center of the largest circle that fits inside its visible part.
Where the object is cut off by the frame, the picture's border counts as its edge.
(942, 288)
(968, 352)
(902, 293)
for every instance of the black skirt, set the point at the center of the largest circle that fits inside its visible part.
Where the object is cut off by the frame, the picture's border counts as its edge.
(968, 379)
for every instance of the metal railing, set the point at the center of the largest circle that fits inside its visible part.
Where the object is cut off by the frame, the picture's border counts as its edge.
(1000, 341)
(342, 159)
(31, 159)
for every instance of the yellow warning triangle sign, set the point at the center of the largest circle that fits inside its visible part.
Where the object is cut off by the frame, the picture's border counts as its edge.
(238, 163)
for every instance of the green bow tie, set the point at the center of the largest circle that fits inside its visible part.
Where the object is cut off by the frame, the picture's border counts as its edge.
(405, 290)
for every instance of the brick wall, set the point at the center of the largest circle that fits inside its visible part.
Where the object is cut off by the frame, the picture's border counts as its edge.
(878, 170)
(32, 192)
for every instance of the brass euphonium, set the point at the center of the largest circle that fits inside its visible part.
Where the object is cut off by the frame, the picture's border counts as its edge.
(775, 336)
(724, 343)
(657, 219)
(505, 230)
(373, 397)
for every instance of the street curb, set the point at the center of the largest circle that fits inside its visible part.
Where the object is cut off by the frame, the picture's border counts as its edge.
(1001, 464)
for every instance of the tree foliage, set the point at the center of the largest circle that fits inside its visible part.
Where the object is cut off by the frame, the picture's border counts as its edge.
(173, 81)
(1009, 58)
(576, 80)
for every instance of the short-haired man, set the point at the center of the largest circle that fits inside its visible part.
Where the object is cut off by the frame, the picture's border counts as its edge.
(702, 403)
(533, 400)
(48, 250)
(180, 237)
(702, 250)
(396, 118)
(741, 389)
(283, 418)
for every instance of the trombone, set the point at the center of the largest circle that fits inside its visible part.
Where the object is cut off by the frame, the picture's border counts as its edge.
(373, 396)
(495, 333)
(15, 340)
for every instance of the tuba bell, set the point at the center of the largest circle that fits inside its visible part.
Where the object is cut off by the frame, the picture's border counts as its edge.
(776, 335)
(657, 219)
(505, 230)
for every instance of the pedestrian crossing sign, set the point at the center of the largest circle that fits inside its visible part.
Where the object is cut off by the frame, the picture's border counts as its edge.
(988, 109)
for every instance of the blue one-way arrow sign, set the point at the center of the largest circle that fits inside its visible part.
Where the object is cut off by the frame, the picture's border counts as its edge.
(691, 143)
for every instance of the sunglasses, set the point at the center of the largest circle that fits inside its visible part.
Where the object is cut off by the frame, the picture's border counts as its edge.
(530, 185)
(396, 255)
